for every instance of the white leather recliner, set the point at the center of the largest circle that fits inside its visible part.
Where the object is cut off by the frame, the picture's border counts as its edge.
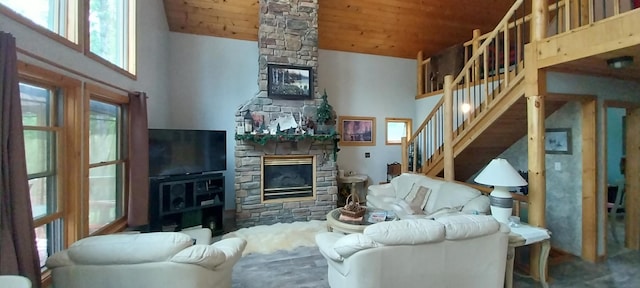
(161, 259)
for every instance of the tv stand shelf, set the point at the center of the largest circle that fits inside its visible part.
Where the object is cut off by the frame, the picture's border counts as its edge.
(187, 200)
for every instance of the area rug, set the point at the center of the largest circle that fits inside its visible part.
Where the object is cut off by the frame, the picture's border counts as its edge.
(265, 239)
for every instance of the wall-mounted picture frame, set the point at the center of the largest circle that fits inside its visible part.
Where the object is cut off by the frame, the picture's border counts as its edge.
(357, 131)
(289, 82)
(557, 141)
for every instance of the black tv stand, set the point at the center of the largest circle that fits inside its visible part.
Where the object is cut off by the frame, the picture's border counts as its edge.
(182, 201)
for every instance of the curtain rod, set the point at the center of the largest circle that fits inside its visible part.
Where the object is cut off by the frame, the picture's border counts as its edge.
(47, 61)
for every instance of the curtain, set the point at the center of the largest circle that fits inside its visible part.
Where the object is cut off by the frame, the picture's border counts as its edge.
(18, 252)
(138, 208)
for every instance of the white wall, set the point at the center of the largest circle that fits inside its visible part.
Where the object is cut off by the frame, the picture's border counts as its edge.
(371, 86)
(210, 78)
(152, 50)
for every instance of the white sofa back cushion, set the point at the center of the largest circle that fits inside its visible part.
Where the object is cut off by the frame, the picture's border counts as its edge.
(450, 195)
(468, 226)
(128, 248)
(403, 183)
(406, 232)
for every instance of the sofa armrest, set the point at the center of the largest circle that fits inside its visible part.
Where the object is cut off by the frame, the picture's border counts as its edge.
(231, 247)
(201, 235)
(382, 190)
(59, 259)
(325, 242)
(478, 205)
(206, 256)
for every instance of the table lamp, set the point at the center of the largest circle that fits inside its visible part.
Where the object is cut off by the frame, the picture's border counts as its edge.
(500, 174)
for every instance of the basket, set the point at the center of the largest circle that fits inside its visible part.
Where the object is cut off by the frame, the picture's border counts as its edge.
(352, 207)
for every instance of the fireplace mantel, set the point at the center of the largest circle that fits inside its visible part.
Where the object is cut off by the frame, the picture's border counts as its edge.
(262, 139)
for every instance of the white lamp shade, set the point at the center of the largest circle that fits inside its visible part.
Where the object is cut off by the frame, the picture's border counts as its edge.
(500, 173)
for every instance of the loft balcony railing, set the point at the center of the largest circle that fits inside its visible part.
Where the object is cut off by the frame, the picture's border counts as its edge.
(494, 64)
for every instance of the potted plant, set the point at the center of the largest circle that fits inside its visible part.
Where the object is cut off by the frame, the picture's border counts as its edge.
(325, 116)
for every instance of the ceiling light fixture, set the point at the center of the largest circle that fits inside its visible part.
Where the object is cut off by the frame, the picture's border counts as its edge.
(620, 62)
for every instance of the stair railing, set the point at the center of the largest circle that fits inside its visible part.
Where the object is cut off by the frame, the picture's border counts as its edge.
(482, 79)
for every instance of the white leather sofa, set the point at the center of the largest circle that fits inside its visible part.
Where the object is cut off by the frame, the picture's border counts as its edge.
(445, 198)
(160, 259)
(458, 251)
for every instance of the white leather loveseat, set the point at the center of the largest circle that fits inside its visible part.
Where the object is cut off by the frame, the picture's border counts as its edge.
(160, 259)
(443, 197)
(458, 251)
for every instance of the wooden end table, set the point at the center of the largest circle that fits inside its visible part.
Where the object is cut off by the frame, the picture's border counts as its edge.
(524, 235)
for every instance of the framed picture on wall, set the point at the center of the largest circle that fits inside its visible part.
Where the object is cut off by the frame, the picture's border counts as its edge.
(357, 131)
(557, 141)
(289, 82)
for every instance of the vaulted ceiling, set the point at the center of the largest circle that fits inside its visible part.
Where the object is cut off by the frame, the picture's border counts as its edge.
(398, 28)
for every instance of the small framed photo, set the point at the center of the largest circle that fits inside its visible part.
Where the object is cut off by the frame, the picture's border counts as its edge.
(289, 82)
(557, 141)
(357, 131)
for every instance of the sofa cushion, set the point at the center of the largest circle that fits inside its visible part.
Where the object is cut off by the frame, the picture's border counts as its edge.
(417, 198)
(406, 232)
(451, 195)
(204, 255)
(128, 248)
(353, 243)
(468, 226)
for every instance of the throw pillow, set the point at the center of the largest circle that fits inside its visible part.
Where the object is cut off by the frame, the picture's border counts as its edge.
(417, 198)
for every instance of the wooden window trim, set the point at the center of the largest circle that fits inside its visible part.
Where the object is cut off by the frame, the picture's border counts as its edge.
(71, 43)
(130, 69)
(407, 121)
(98, 93)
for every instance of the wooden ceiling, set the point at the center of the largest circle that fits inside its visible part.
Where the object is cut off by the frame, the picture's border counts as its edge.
(397, 28)
(597, 65)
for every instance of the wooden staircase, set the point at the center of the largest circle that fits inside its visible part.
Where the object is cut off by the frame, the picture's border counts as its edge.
(491, 86)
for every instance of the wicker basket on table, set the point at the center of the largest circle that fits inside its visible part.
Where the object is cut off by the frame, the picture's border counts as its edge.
(352, 207)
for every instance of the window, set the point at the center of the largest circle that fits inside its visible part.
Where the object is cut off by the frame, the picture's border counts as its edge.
(106, 159)
(112, 32)
(396, 128)
(40, 107)
(110, 28)
(57, 16)
(75, 144)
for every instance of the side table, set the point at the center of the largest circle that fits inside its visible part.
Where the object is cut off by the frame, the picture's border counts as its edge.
(353, 180)
(523, 235)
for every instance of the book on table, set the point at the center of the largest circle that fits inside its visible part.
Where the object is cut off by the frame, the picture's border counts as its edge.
(378, 216)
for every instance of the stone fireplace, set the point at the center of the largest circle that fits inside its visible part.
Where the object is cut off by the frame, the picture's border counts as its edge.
(287, 35)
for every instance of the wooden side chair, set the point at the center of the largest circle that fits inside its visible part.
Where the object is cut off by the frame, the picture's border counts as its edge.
(616, 209)
(393, 170)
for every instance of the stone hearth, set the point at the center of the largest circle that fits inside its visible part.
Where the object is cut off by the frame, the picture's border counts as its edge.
(288, 35)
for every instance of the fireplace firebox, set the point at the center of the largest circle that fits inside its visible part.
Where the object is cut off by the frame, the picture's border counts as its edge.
(288, 177)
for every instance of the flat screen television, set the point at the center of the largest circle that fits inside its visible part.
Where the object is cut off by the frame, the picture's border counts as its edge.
(181, 152)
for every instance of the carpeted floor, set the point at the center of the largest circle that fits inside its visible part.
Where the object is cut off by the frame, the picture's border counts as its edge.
(305, 267)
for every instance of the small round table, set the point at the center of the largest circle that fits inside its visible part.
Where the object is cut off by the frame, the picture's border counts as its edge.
(346, 226)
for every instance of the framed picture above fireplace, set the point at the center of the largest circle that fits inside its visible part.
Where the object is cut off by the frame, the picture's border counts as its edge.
(289, 82)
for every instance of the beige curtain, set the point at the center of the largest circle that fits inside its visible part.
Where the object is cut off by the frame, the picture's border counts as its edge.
(138, 213)
(18, 252)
